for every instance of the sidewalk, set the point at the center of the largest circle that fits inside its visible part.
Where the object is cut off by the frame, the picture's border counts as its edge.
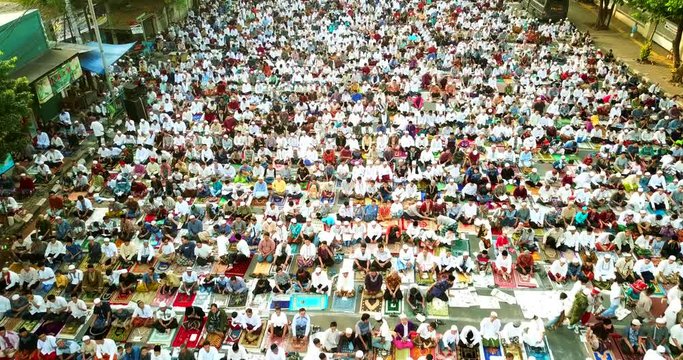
(625, 48)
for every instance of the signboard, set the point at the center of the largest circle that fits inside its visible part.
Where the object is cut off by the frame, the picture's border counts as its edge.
(58, 80)
(43, 90)
(64, 75)
(137, 29)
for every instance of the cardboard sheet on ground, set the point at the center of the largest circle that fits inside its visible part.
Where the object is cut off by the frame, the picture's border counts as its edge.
(488, 302)
(462, 298)
(504, 297)
(529, 302)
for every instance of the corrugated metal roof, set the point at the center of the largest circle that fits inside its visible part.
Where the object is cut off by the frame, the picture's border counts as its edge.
(35, 69)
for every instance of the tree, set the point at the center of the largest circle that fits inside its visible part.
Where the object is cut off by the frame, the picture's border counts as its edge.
(16, 99)
(605, 11)
(657, 11)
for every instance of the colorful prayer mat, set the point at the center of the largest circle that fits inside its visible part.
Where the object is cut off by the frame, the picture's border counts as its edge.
(344, 304)
(437, 308)
(371, 304)
(253, 341)
(393, 307)
(238, 300)
(311, 302)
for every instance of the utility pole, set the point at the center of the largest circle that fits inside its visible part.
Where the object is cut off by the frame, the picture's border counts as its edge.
(72, 23)
(107, 79)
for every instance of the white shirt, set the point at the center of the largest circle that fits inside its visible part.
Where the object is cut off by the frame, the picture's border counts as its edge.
(108, 348)
(58, 305)
(47, 276)
(189, 278)
(47, 346)
(163, 355)
(489, 328)
(78, 309)
(278, 320)
(37, 305)
(212, 354)
(271, 356)
(239, 355)
(145, 312)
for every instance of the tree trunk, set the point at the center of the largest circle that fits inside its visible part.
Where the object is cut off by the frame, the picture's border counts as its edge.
(676, 46)
(611, 12)
(653, 29)
(603, 12)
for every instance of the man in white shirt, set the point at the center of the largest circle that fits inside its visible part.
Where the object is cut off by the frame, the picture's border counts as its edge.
(208, 352)
(449, 341)
(77, 308)
(75, 277)
(644, 269)
(676, 338)
(189, 281)
(489, 327)
(273, 353)
(503, 265)
(47, 277)
(36, 307)
(47, 346)
(145, 253)
(512, 333)
(278, 324)
(236, 352)
(605, 269)
(320, 283)
(57, 307)
(160, 354)
(558, 271)
(345, 283)
(668, 271)
(9, 280)
(330, 338)
(143, 316)
(106, 350)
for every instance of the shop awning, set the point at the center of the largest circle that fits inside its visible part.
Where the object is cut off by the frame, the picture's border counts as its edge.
(47, 62)
(92, 60)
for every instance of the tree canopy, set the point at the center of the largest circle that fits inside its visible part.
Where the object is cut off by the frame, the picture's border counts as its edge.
(16, 99)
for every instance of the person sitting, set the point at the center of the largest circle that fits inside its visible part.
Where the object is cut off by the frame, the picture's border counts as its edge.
(216, 325)
(278, 324)
(190, 282)
(402, 333)
(345, 284)
(373, 284)
(558, 271)
(425, 336)
(382, 259)
(392, 290)
(301, 326)
(362, 258)
(425, 264)
(525, 264)
(142, 315)
(282, 281)
(503, 265)
(439, 289)
(165, 319)
(307, 254)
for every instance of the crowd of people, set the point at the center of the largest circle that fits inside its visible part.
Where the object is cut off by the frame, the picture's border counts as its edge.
(355, 150)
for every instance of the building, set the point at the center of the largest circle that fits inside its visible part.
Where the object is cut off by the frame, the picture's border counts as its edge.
(50, 71)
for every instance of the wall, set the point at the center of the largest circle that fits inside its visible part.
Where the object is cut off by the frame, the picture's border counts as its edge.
(664, 33)
(23, 38)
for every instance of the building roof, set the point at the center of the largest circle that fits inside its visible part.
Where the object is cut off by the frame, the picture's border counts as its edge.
(35, 69)
(8, 17)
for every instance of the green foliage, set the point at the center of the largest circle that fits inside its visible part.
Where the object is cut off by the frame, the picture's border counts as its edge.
(16, 99)
(645, 51)
(659, 9)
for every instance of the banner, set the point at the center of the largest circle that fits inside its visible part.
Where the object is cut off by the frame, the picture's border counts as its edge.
(64, 75)
(7, 164)
(43, 90)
